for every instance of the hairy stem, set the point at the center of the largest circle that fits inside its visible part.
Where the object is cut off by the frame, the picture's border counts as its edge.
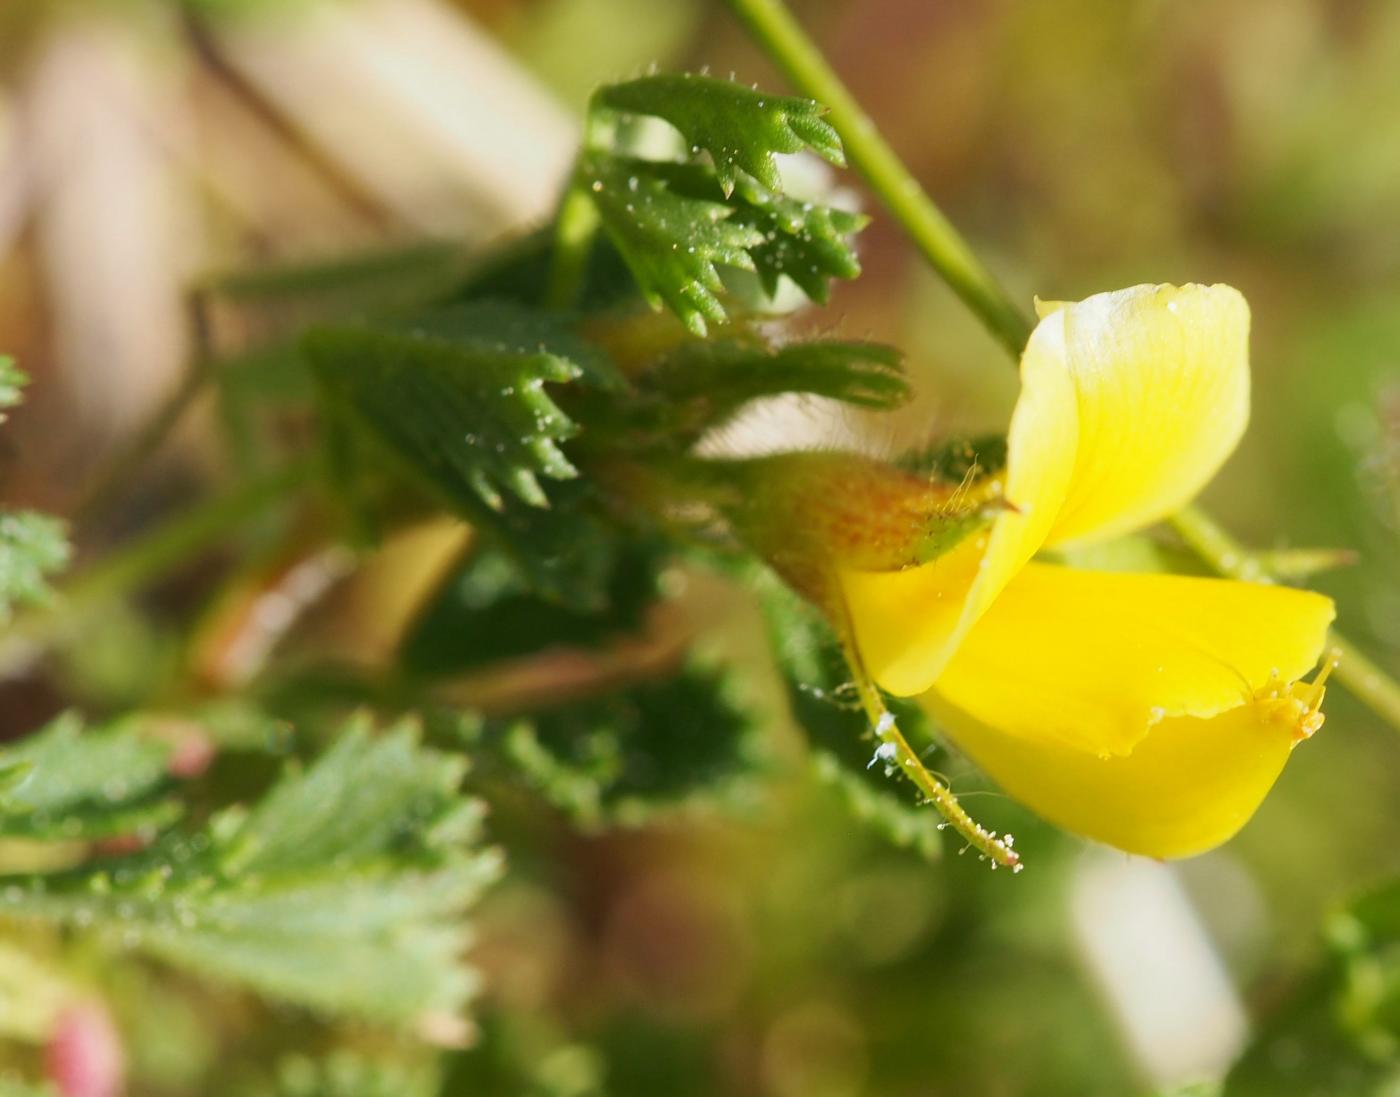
(789, 47)
(895, 750)
(785, 42)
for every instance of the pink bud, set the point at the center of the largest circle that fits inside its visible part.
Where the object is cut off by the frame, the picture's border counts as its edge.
(84, 1056)
(192, 756)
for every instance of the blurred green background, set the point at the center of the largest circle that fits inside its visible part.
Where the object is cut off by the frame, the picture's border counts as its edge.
(781, 950)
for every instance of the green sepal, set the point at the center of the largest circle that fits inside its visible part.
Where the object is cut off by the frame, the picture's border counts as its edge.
(957, 459)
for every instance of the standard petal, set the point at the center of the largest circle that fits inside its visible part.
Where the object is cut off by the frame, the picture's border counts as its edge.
(1092, 660)
(1162, 379)
(907, 624)
(1187, 787)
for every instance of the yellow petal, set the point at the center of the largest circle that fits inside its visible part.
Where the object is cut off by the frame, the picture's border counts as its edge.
(907, 624)
(1187, 787)
(1162, 379)
(1092, 660)
(1129, 402)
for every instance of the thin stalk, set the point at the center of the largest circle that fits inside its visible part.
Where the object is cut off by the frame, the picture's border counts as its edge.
(788, 46)
(578, 222)
(144, 444)
(144, 559)
(574, 231)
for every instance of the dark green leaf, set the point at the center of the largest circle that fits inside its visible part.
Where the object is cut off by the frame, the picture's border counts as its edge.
(806, 241)
(487, 612)
(648, 747)
(460, 393)
(342, 890)
(520, 272)
(458, 400)
(739, 127)
(672, 242)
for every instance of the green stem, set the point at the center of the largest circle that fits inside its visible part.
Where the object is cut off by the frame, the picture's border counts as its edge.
(574, 231)
(1227, 556)
(785, 42)
(134, 565)
(577, 222)
(146, 442)
(788, 45)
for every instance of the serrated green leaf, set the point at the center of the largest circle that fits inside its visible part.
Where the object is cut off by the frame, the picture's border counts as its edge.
(806, 241)
(32, 547)
(12, 381)
(457, 400)
(673, 243)
(675, 225)
(66, 782)
(739, 127)
(703, 383)
(346, 1073)
(460, 393)
(643, 749)
(342, 890)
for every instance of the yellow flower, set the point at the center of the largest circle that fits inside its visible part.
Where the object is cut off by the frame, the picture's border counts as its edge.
(1151, 712)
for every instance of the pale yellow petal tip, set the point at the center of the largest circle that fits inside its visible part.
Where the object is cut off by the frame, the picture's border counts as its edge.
(1219, 294)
